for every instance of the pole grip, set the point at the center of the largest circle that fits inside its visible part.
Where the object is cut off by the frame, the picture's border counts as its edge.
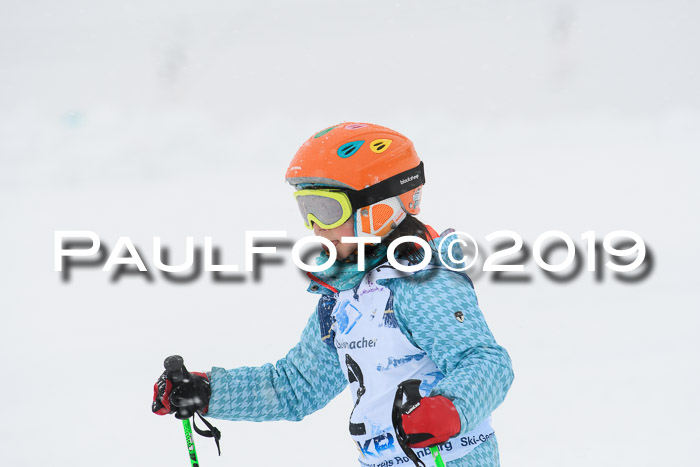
(175, 369)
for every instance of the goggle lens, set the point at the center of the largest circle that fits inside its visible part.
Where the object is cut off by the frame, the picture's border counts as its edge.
(328, 210)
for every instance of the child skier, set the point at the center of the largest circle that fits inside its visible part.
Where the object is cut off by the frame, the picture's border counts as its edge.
(376, 329)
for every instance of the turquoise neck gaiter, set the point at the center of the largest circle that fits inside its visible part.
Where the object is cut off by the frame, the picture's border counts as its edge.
(343, 275)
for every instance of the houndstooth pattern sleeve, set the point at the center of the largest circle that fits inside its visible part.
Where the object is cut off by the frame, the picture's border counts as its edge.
(477, 370)
(299, 384)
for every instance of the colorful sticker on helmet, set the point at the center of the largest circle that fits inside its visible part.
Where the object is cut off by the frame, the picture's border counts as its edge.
(323, 132)
(378, 146)
(348, 149)
(355, 126)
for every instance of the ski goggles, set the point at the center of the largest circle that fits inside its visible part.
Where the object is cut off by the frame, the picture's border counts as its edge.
(331, 207)
(328, 208)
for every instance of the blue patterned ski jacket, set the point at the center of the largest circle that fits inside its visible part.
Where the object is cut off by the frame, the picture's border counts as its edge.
(477, 370)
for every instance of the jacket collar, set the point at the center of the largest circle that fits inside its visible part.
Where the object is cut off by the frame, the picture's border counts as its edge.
(343, 275)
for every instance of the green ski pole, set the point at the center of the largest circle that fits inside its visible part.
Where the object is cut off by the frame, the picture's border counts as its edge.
(190, 443)
(175, 368)
(437, 457)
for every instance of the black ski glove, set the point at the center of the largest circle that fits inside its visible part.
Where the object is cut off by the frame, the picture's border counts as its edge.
(183, 398)
(183, 393)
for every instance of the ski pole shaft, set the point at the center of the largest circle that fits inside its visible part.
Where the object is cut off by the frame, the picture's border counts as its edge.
(176, 372)
(190, 443)
(437, 457)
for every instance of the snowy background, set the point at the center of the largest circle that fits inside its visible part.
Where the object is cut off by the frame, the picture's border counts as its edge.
(170, 118)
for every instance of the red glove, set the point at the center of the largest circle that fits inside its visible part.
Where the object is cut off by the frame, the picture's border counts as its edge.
(433, 421)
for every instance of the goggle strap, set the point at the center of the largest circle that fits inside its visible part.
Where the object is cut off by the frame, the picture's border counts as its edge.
(392, 186)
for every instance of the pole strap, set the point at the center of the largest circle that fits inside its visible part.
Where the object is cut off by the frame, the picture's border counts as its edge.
(212, 432)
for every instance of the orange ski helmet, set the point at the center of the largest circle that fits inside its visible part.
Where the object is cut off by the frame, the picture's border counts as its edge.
(377, 166)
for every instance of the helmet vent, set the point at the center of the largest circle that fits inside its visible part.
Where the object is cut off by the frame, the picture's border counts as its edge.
(323, 132)
(378, 146)
(355, 126)
(348, 149)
